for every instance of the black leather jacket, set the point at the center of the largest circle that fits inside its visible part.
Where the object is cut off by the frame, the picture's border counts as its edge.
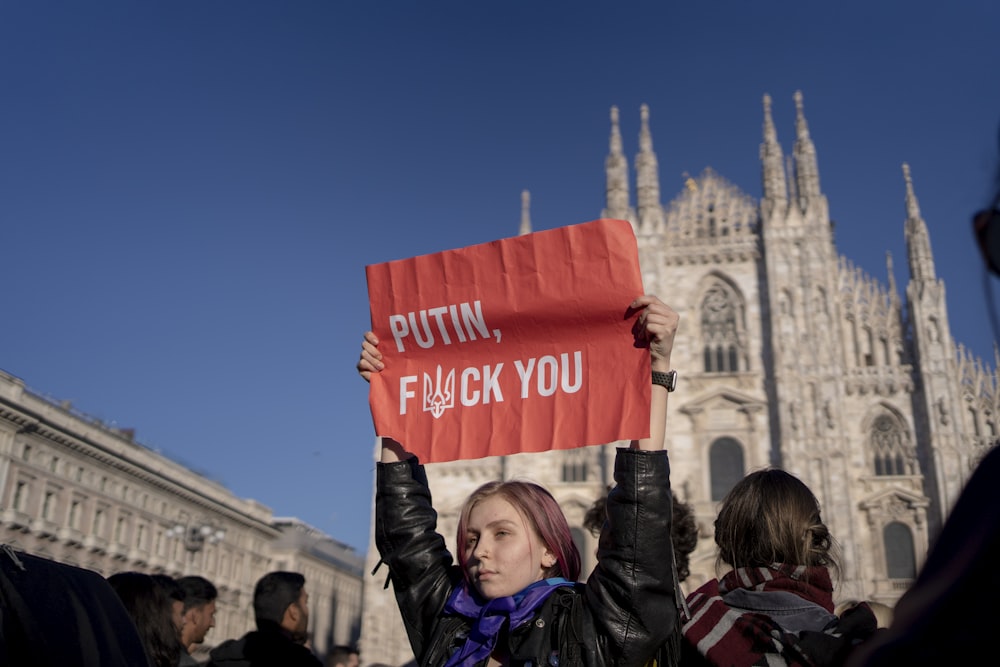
(626, 610)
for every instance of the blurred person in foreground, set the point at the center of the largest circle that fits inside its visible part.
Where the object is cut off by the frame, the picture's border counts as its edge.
(281, 609)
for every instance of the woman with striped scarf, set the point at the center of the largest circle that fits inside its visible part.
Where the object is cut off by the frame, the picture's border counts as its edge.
(775, 605)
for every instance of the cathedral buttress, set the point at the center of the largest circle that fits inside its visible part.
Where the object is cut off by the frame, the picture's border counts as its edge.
(946, 447)
(806, 392)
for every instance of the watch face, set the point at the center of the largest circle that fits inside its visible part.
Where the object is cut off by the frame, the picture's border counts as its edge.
(671, 380)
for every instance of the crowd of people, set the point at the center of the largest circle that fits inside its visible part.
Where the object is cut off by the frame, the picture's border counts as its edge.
(173, 616)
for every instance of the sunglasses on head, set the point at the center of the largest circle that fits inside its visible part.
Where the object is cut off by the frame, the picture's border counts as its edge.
(986, 226)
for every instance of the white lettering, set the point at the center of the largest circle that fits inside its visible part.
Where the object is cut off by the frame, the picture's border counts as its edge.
(397, 324)
(524, 374)
(468, 399)
(404, 392)
(463, 321)
(552, 374)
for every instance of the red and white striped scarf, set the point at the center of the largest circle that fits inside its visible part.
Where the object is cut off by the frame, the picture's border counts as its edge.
(737, 638)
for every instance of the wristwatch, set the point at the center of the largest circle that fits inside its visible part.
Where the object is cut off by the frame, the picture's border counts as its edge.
(668, 379)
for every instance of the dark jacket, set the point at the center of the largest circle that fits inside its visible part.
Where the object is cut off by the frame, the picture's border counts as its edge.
(269, 648)
(61, 615)
(626, 610)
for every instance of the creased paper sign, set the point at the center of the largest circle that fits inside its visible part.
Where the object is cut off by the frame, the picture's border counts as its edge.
(519, 345)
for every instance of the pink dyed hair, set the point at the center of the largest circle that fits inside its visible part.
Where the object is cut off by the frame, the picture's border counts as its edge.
(541, 511)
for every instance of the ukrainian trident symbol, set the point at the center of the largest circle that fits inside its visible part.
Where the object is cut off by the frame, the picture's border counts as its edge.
(437, 399)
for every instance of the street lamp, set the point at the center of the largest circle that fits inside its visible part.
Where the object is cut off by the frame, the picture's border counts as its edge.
(196, 535)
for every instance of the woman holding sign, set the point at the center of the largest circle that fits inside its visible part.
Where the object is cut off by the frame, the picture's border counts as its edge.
(513, 597)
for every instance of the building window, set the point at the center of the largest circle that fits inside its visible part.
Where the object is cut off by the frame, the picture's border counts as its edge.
(79, 474)
(574, 467)
(99, 519)
(900, 562)
(26, 453)
(74, 514)
(889, 448)
(54, 464)
(722, 329)
(48, 505)
(725, 461)
(140, 539)
(104, 484)
(21, 496)
(120, 530)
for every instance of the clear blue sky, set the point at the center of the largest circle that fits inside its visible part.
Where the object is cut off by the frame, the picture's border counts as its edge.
(190, 190)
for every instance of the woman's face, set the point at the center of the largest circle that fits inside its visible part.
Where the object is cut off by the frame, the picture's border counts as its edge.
(503, 553)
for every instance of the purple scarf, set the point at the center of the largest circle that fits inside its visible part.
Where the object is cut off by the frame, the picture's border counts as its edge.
(491, 617)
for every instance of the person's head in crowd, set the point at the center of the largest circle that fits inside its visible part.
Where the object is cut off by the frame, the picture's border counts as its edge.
(526, 532)
(149, 601)
(280, 602)
(199, 609)
(683, 530)
(770, 516)
(343, 656)
(176, 594)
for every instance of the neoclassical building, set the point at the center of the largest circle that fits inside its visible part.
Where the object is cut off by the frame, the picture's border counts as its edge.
(80, 492)
(790, 356)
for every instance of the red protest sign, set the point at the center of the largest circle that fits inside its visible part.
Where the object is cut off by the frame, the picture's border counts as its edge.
(519, 345)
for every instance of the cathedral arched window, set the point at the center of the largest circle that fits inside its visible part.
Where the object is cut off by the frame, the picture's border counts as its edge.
(722, 329)
(890, 451)
(900, 562)
(725, 463)
(574, 467)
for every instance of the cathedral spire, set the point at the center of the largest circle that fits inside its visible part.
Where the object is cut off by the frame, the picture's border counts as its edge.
(892, 276)
(918, 241)
(806, 166)
(616, 172)
(525, 213)
(773, 170)
(647, 174)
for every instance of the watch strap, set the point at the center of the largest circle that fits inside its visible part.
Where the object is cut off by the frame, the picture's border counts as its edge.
(668, 379)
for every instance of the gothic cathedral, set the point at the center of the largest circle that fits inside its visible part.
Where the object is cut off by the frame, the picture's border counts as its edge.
(790, 356)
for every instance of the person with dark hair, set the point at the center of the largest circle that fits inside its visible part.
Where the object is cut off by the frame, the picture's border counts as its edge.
(513, 598)
(775, 605)
(281, 609)
(343, 656)
(683, 529)
(199, 614)
(150, 601)
(176, 595)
